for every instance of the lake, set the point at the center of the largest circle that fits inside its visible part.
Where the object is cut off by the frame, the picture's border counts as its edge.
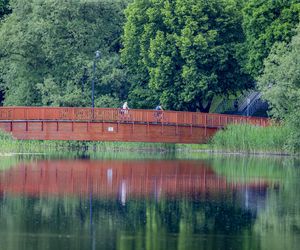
(212, 202)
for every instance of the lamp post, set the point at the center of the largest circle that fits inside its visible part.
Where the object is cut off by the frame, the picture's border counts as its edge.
(248, 103)
(97, 56)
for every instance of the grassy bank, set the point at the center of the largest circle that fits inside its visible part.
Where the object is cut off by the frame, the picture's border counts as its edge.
(252, 139)
(235, 139)
(10, 145)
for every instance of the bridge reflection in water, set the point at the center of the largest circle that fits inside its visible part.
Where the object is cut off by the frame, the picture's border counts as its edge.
(118, 179)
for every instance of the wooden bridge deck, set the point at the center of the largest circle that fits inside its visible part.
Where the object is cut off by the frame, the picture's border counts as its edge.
(102, 124)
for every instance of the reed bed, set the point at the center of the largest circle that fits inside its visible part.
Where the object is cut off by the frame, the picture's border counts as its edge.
(10, 145)
(235, 138)
(252, 139)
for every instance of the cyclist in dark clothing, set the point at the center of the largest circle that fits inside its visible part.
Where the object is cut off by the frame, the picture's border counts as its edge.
(158, 107)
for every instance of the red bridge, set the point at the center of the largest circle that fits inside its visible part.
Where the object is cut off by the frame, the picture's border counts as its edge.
(101, 124)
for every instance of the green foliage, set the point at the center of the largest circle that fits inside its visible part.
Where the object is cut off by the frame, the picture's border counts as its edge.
(280, 85)
(113, 82)
(183, 52)
(4, 8)
(266, 22)
(48, 47)
(5, 136)
(252, 139)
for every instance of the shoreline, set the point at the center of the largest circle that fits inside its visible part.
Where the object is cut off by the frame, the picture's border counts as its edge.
(177, 150)
(10, 146)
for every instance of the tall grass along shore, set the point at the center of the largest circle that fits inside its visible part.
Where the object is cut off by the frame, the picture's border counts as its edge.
(234, 139)
(252, 139)
(10, 145)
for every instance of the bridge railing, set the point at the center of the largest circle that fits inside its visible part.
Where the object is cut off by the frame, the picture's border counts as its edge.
(132, 115)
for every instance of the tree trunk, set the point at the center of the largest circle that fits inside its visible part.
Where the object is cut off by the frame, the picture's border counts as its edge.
(207, 106)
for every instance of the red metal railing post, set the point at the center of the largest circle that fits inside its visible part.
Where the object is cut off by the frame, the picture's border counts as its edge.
(205, 122)
(176, 129)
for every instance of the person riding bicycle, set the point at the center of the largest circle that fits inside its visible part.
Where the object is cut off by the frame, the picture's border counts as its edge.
(159, 107)
(159, 112)
(125, 108)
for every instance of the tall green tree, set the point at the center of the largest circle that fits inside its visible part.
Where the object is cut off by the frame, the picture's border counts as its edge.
(266, 22)
(48, 51)
(280, 85)
(4, 10)
(183, 52)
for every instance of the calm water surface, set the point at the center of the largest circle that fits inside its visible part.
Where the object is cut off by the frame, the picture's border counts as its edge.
(215, 203)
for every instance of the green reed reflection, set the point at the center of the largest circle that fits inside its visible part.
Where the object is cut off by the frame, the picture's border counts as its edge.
(278, 225)
(7, 162)
(242, 168)
(145, 223)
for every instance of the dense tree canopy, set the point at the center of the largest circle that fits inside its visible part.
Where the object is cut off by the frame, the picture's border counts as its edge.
(266, 22)
(280, 84)
(47, 50)
(4, 8)
(183, 52)
(4, 11)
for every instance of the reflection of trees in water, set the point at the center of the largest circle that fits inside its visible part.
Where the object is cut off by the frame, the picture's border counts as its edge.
(279, 223)
(240, 218)
(146, 221)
